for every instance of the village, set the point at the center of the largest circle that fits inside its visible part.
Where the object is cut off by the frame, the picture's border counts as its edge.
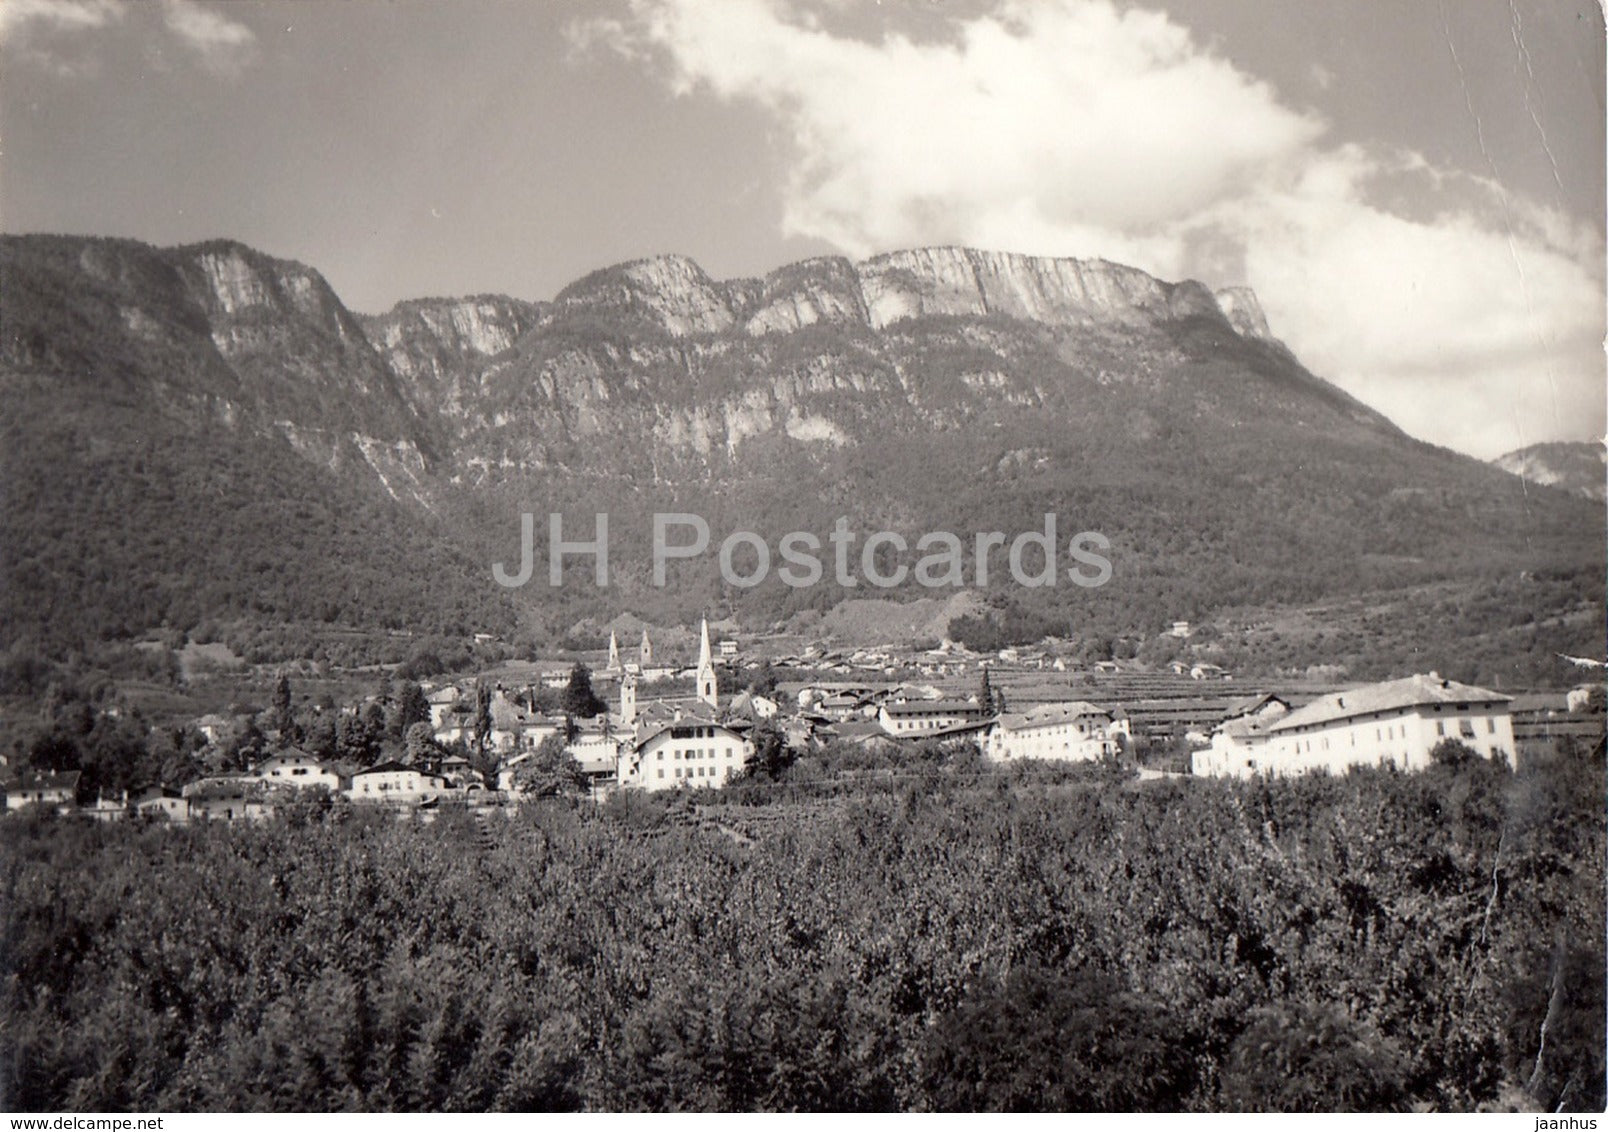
(488, 739)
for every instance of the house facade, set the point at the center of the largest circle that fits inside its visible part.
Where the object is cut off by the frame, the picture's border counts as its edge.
(161, 802)
(1069, 732)
(54, 791)
(912, 717)
(690, 753)
(297, 769)
(1237, 742)
(1396, 723)
(394, 784)
(442, 703)
(228, 797)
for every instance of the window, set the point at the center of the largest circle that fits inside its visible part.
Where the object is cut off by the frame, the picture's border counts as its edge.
(1490, 727)
(1440, 727)
(661, 772)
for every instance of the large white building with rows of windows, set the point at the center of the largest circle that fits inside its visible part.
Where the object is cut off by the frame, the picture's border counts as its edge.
(1397, 723)
(1072, 732)
(690, 753)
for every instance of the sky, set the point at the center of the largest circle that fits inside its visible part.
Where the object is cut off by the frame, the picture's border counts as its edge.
(1413, 188)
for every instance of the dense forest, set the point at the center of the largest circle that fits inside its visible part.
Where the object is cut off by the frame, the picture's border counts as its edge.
(944, 937)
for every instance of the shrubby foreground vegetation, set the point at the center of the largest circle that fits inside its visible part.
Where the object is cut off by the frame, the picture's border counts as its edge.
(951, 938)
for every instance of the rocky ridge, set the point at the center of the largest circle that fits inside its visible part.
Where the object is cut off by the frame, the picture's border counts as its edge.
(681, 299)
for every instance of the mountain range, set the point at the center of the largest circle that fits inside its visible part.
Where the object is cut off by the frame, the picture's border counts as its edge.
(206, 436)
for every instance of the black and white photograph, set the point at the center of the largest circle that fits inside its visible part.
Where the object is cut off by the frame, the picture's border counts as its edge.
(802, 556)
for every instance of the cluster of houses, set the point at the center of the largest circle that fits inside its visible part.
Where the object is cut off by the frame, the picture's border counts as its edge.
(693, 741)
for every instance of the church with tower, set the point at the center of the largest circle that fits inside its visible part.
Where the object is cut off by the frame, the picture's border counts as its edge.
(679, 742)
(704, 704)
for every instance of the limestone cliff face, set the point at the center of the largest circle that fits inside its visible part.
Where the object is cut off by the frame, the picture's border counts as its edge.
(653, 370)
(244, 293)
(421, 333)
(675, 295)
(672, 290)
(816, 290)
(439, 347)
(1244, 312)
(961, 281)
(303, 362)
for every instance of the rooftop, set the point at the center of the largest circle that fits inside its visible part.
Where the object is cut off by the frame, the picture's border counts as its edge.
(1048, 715)
(931, 707)
(1393, 695)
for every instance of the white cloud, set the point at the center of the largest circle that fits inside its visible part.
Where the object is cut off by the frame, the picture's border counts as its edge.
(58, 35)
(1068, 127)
(20, 16)
(221, 45)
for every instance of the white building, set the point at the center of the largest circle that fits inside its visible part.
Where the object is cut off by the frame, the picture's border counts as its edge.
(596, 749)
(689, 753)
(298, 769)
(56, 791)
(1075, 732)
(162, 802)
(442, 702)
(1237, 741)
(1397, 723)
(228, 797)
(912, 717)
(395, 784)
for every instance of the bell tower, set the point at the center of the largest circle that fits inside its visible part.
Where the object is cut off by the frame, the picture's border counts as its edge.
(628, 703)
(708, 692)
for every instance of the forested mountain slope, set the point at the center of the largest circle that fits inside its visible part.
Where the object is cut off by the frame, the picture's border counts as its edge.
(207, 432)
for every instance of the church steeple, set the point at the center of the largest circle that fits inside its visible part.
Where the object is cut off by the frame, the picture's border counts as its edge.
(614, 652)
(645, 650)
(628, 700)
(708, 692)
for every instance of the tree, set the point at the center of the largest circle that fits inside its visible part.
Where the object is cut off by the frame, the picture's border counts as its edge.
(550, 771)
(482, 719)
(772, 756)
(356, 740)
(320, 736)
(985, 696)
(485, 762)
(579, 699)
(243, 746)
(411, 707)
(1453, 753)
(1313, 1057)
(284, 721)
(420, 749)
(764, 681)
(1047, 1040)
